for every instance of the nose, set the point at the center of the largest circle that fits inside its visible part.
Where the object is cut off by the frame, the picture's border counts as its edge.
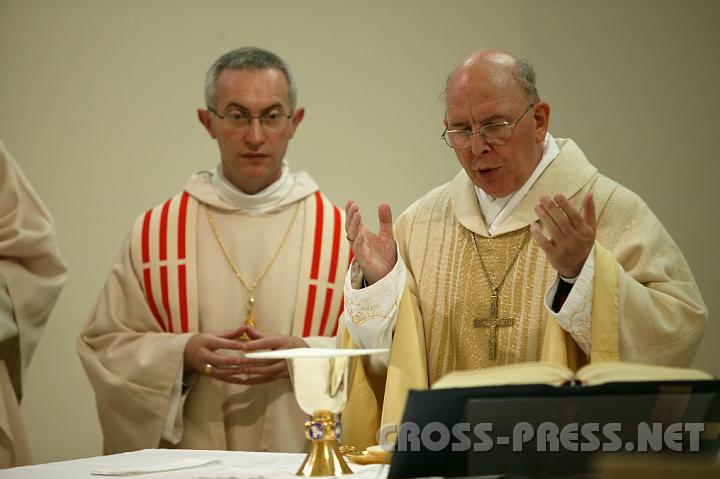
(478, 144)
(254, 134)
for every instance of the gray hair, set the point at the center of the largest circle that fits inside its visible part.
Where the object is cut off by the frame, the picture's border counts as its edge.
(524, 74)
(248, 58)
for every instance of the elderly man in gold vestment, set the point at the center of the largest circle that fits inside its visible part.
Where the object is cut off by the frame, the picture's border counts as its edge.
(247, 256)
(528, 254)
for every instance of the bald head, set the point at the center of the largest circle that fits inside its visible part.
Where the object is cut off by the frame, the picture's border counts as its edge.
(499, 68)
(493, 91)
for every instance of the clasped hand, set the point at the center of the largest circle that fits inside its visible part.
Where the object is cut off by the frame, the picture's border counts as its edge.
(204, 349)
(572, 234)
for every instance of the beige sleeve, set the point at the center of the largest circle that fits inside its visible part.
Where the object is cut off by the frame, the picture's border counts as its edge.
(30, 263)
(132, 364)
(661, 313)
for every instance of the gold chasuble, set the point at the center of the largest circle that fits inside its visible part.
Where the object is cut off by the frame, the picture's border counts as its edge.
(449, 321)
(172, 279)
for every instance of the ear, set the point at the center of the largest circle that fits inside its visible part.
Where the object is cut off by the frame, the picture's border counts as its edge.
(203, 116)
(542, 121)
(296, 118)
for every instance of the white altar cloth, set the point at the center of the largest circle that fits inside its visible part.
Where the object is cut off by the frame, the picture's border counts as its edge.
(234, 464)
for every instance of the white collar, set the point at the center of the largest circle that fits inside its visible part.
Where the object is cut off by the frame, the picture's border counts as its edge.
(496, 210)
(259, 202)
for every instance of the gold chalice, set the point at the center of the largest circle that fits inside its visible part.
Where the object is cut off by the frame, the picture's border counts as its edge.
(320, 379)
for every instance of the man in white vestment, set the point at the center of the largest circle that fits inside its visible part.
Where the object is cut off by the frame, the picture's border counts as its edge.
(248, 256)
(528, 254)
(32, 273)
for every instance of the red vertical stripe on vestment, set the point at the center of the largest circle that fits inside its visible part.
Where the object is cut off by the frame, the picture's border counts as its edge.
(337, 320)
(163, 231)
(182, 273)
(146, 237)
(309, 309)
(151, 301)
(342, 298)
(182, 287)
(165, 296)
(318, 236)
(314, 271)
(335, 246)
(326, 311)
(182, 218)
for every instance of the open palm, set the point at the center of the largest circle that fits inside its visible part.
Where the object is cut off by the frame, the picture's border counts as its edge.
(376, 253)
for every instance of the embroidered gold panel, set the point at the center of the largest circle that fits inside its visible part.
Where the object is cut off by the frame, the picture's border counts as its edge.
(453, 291)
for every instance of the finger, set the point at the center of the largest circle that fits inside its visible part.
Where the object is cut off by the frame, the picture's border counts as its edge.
(225, 373)
(220, 360)
(572, 214)
(557, 215)
(268, 376)
(350, 209)
(542, 241)
(270, 370)
(232, 333)
(254, 333)
(215, 342)
(589, 211)
(267, 343)
(217, 363)
(250, 362)
(385, 221)
(204, 357)
(548, 223)
(354, 225)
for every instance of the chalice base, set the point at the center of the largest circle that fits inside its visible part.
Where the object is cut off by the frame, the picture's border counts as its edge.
(324, 458)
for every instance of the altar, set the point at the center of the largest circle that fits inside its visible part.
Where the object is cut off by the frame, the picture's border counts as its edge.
(197, 465)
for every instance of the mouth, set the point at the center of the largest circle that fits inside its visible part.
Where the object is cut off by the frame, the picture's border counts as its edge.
(253, 156)
(484, 172)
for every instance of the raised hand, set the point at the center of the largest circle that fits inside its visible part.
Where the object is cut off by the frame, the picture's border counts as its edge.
(572, 234)
(376, 253)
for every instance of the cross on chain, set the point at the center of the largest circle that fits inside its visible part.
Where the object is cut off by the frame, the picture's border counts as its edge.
(493, 322)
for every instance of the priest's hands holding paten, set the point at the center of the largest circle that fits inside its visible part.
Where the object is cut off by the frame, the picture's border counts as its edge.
(376, 253)
(572, 234)
(203, 354)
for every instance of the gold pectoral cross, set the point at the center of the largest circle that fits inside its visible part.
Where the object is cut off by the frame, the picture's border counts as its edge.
(493, 322)
(249, 316)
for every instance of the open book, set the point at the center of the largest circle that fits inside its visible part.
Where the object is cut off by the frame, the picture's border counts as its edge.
(557, 375)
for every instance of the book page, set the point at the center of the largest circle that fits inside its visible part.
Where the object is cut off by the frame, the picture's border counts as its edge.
(609, 372)
(520, 373)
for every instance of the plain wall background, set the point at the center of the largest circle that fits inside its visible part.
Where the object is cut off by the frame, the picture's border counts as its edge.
(98, 99)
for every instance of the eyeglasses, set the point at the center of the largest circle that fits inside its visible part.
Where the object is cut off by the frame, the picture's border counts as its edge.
(494, 133)
(271, 121)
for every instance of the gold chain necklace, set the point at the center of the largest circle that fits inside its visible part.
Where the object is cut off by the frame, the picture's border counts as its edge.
(493, 322)
(250, 288)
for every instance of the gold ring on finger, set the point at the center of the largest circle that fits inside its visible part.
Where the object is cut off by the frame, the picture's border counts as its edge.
(208, 369)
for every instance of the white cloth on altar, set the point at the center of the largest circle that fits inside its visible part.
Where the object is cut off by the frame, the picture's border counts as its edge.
(234, 464)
